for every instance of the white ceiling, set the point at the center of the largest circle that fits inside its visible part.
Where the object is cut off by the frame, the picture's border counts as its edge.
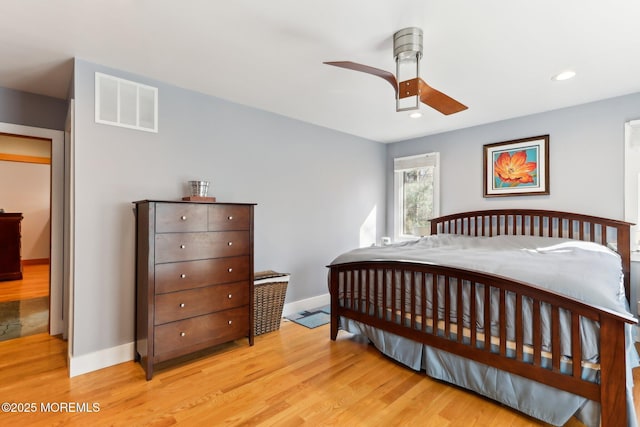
(495, 56)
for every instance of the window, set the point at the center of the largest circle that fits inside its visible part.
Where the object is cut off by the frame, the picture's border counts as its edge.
(632, 181)
(416, 194)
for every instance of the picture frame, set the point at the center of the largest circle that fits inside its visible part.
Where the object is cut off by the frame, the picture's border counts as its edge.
(517, 168)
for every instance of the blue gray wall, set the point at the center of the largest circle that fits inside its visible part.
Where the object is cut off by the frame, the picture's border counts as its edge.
(586, 151)
(314, 189)
(27, 109)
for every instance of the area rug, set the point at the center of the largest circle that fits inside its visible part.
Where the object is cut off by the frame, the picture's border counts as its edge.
(312, 318)
(22, 318)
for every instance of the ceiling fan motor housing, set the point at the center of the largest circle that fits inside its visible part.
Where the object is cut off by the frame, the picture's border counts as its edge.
(407, 51)
(407, 43)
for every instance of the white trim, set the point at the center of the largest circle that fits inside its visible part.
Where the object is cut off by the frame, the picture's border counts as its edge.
(69, 223)
(632, 179)
(100, 359)
(306, 304)
(413, 162)
(402, 164)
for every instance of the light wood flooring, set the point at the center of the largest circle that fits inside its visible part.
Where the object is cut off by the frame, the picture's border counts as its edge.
(291, 377)
(34, 284)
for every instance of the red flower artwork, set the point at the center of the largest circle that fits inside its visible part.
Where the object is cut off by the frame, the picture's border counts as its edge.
(514, 169)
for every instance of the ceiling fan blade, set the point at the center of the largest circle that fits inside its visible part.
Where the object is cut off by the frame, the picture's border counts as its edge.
(438, 100)
(367, 69)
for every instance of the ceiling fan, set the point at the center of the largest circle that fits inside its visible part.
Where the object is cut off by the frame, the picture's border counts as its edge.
(409, 88)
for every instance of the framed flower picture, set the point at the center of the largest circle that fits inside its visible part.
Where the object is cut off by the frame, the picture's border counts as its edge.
(517, 168)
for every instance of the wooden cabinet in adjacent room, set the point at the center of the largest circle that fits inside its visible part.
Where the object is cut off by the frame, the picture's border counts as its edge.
(194, 277)
(10, 238)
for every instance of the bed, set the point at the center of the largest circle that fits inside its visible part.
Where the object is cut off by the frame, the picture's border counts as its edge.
(548, 285)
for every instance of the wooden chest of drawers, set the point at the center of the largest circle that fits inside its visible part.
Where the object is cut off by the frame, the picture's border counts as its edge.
(10, 240)
(194, 277)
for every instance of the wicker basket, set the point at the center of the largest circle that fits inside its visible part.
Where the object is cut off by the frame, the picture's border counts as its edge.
(268, 300)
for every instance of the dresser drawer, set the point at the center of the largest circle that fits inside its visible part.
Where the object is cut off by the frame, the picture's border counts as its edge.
(180, 217)
(196, 302)
(192, 246)
(229, 217)
(179, 276)
(184, 336)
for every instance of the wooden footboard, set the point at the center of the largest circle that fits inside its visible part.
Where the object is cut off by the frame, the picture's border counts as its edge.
(507, 324)
(400, 290)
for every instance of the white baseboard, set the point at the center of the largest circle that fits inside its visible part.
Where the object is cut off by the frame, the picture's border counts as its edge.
(100, 359)
(306, 304)
(124, 353)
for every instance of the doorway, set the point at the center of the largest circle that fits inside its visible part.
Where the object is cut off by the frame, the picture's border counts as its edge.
(42, 273)
(25, 171)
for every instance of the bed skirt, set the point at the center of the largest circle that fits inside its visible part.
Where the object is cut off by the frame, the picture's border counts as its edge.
(532, 398)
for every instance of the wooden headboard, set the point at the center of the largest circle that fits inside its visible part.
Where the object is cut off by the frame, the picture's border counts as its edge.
(612, 233)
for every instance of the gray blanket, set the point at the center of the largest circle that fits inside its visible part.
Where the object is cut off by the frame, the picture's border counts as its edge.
(589, 272)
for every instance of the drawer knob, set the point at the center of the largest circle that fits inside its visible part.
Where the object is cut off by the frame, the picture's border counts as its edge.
(184, 218)
(230, 243)
(183, 334)
(182, 246)
(229, 296)
(229, 322)
(230, 217)
(229, 270)
(181, 305)
(182, 276)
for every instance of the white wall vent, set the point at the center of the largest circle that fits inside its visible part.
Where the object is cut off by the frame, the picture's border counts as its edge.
(124, 103)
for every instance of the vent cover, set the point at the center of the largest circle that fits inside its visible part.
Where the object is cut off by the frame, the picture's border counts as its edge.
(124, 103)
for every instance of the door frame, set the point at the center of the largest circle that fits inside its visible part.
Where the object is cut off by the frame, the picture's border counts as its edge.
(56, 252)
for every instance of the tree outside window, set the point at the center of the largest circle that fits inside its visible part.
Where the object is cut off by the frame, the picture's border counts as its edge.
(416, 194)
(418, 201)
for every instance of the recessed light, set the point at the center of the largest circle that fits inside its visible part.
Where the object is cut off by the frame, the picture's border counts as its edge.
(565, 75)
(415, 115)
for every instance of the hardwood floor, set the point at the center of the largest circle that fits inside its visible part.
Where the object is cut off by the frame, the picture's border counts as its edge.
(291, 377)
(34, 284)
